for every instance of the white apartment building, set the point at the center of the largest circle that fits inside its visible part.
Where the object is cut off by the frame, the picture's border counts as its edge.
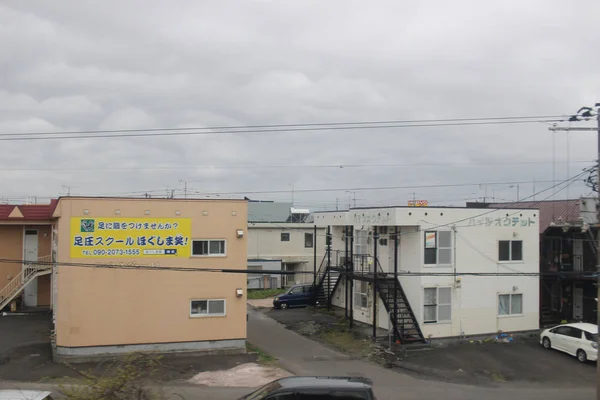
(292, 243)
(440, 252)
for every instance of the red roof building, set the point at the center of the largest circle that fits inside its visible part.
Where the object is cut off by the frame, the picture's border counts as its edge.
(27, 212)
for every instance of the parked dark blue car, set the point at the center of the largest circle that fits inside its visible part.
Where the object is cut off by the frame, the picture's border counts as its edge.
(296, 296)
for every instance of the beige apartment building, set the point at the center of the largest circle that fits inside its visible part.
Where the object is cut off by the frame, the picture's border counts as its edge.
(143, 275)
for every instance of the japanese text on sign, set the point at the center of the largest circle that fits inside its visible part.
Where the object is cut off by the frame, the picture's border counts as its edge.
(130, 237)
(509, 221)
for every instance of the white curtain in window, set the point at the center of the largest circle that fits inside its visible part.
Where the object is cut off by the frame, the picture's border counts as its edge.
(516, 304)
(444, 256)
(504, 304)
(429, 314)
(357, 299)
(430, 296)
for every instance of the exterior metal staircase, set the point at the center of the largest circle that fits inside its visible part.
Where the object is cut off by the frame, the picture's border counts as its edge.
(403, 319)
(32, 270)
(362, 267)
(326, 283)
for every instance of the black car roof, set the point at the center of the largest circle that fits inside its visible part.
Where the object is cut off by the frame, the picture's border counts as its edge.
(329, 382)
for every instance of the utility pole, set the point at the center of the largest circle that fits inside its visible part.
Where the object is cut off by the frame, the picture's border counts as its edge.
(184, 188)
(598, 248)
(587, 114)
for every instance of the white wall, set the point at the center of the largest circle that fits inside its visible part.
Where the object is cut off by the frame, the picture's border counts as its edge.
(474, 298)
(264, 240)
(254, 281)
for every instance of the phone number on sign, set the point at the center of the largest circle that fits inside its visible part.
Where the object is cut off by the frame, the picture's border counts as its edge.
(114, 252)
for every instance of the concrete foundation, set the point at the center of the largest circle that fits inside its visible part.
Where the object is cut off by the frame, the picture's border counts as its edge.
(96, 353)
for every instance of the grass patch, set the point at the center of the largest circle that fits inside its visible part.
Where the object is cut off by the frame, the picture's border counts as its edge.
(263, 358)
(342, 338)
(498, 377)
(264, 293)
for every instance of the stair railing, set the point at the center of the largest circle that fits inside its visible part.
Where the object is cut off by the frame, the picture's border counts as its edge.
(30, 269)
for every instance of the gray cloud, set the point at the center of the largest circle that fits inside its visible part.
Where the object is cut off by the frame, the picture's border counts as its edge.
(83, 65)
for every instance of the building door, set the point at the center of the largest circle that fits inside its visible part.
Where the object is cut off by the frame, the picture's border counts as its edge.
(30, 254)
(578, 254)
(578, 303)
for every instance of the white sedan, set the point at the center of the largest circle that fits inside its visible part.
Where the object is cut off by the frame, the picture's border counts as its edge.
(578, 339)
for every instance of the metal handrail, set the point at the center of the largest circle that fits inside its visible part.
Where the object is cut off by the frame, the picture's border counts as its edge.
(30, 269)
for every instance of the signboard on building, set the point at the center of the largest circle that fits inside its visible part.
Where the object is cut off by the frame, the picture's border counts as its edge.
(418, 203)
(130, 237)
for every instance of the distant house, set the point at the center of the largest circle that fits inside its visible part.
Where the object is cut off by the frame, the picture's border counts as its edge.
(278, 231)
(567, 257)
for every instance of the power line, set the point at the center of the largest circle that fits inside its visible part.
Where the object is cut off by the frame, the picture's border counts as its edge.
(568, 182)
(261, 272)
(371, 188)
(314, 166)
(13, 137)
(324, 124)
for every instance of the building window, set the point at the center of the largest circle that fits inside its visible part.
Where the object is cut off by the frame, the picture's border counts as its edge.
(510, 304)
(361, 243)
(285, 237)
(510, 250)
(438, 248)
(437, 305)
(207, 248)
(308, 240)
(207, 308)
(361, 293)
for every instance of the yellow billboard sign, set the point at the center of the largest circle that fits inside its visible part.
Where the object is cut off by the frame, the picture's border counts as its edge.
(130, 237)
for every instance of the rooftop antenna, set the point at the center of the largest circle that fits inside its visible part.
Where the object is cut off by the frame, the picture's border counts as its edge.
(67, 189)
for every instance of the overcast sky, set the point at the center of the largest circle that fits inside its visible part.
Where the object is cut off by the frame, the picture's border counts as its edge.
(90, 65)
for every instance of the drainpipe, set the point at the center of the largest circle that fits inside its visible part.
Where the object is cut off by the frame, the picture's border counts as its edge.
(315, 258)
(395, 279)
(375, 239)
(328, 266)
(346, 269)
(351, 275)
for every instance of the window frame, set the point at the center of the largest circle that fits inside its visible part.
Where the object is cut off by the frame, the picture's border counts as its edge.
(510, 307)
(437, 249)
(437, 305)
(359, 294)
(285, 234)
(208, 314)
(312, 240)
(224, 254)
(361, 242)
(510, 251)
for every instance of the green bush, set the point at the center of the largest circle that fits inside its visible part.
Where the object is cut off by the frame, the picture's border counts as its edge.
(264, 293)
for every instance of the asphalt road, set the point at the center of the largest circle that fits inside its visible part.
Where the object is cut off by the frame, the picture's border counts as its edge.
(303, 356)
